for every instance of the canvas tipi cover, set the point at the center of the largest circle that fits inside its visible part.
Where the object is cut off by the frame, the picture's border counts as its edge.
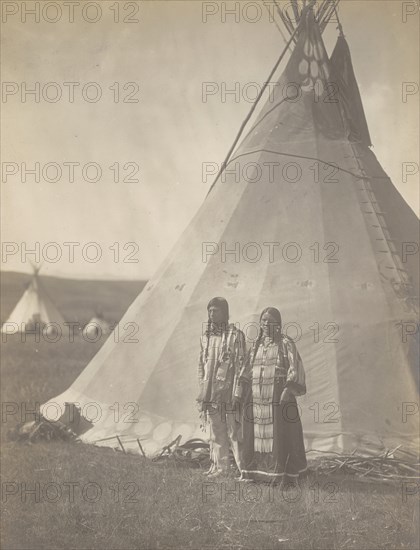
(34, 307)
(318, 228)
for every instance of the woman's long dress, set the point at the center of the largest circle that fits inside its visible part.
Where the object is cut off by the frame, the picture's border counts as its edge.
(273, 444)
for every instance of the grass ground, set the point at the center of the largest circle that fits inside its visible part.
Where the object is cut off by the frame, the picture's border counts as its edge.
(85, 497)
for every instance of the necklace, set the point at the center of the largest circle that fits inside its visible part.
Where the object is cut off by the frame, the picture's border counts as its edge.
(268, 341)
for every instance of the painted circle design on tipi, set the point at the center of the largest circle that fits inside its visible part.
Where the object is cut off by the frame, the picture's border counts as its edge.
(185, 430)
(318, 53)
(303, 66)
(162, 430)
(314, 69)
(144, 425)
(152, 447)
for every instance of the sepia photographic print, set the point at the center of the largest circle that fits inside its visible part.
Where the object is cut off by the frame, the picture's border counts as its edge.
(210, 275)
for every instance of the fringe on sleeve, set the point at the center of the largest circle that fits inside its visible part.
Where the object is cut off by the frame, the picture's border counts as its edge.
(200, 371)
(241, 350)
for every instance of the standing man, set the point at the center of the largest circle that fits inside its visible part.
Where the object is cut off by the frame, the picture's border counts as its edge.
(221, 362)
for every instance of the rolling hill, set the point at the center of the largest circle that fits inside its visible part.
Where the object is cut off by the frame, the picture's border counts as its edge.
(78, 300)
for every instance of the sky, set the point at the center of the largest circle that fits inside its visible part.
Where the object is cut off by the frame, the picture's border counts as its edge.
(157, 132)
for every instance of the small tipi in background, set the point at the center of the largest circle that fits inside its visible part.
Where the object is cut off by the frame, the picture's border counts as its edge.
(35, 307)
(97, 327)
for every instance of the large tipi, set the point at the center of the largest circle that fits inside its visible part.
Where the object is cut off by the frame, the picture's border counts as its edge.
(34, 307)
(318, 231)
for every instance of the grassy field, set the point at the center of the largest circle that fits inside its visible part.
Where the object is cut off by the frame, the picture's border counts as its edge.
(85, 497)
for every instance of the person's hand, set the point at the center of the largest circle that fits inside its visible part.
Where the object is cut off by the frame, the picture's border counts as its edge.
(287, 395)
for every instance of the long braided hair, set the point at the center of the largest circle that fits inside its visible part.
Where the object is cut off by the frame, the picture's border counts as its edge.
(224, 306)
(275, 313)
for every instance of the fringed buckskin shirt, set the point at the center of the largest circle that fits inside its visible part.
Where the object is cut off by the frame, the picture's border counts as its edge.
(221, 360)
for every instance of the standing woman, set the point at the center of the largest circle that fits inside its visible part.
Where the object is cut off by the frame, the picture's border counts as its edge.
(273, 447)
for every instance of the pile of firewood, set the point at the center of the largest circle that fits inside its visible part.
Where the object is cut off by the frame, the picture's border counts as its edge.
(390, 465)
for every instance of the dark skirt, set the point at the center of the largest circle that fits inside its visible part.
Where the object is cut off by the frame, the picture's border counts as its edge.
(287, 458)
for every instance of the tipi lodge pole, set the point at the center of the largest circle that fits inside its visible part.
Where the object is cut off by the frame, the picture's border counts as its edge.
(245, 122)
